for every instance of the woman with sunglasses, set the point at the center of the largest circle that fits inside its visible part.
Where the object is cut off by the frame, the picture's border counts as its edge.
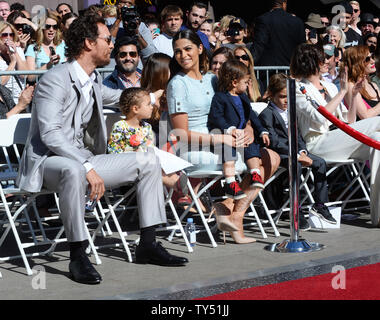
(255, 86)
(189, 96)
(360, 63)
(12, 58)
(25, 28)
(321, 138)
(49, 48)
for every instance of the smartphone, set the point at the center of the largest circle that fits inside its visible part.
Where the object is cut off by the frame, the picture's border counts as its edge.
(52, 51)
(156, 30)
(313, 33)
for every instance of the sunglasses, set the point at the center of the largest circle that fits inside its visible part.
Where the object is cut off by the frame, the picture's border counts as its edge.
(368, 59)
(243, 57)
(356, 10)
(132, 54)
(6, 35)
(19, 25)
(327, 57)
(107, 39)
(49, 26)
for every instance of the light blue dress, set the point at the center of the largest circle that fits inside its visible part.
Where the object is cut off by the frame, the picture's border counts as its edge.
(41, 58)
(191, 96)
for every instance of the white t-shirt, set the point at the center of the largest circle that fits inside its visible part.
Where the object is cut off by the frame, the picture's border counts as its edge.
(164, 44)
(12, 82)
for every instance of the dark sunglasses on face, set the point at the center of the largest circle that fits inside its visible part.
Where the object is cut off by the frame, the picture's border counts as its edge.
(19, 25)
(6, 34)
(49, 26)
(132, 54)
(368, 59)
(356, 10)
(243, 57)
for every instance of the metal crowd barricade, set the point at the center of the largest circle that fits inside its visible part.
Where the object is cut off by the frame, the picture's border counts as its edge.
(264, 72)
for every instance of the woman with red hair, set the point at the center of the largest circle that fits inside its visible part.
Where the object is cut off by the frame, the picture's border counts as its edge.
(360, 63)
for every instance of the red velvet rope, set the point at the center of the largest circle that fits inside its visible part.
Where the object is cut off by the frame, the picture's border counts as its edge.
(343, 126)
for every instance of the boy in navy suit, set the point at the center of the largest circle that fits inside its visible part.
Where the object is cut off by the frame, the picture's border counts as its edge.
(230, 112)
(275, 119)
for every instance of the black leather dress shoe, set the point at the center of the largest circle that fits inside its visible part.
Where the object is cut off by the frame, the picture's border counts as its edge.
(82, 271)
(155, 253)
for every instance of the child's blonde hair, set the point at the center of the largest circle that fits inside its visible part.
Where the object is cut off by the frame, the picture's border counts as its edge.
(131, 97)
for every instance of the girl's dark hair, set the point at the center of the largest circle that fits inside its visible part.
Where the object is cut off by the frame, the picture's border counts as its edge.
(194, 38)
(231, 70)
(82, 28)
(131, 97)
(277, 83)
(155, 76)
(306, 60)
(227, 52)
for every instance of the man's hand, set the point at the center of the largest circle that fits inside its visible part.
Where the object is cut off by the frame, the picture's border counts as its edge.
(305, 160)
(96, 185)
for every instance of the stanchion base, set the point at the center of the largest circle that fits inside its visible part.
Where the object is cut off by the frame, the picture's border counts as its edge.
(288, 246)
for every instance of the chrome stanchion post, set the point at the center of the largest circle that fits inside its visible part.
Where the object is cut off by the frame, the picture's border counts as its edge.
(294, 244)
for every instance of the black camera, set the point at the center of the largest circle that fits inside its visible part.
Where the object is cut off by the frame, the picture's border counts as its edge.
(27, 29)
(234, 30)
(131, 19)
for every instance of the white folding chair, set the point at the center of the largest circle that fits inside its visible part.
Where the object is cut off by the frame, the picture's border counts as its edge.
(14, 131)
(353, 177)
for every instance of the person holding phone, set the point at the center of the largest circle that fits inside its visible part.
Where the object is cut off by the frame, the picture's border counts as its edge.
(39, 56)
(11, 58)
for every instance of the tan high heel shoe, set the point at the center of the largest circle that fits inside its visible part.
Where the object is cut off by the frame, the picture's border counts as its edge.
(222, 219)
(239, 238)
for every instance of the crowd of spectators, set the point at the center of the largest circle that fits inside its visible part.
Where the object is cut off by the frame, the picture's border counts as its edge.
(192, 46)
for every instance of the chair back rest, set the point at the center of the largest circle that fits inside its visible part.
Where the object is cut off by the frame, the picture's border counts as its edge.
(110, 118)
(258, 107)
(14, 130)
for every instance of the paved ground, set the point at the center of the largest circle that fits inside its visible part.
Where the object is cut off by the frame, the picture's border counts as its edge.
(208, 266)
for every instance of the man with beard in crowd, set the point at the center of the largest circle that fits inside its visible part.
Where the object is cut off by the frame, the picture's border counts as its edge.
(126, 73)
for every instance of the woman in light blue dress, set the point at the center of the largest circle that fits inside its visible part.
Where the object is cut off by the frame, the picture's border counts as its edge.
(49, 48)
(189, 96)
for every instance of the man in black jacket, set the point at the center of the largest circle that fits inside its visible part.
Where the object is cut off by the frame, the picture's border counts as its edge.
(276, 35)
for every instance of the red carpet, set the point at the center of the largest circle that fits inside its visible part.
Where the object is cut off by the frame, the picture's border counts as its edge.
(361, 283)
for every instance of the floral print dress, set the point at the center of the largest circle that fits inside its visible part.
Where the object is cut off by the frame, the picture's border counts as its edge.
(125, 138)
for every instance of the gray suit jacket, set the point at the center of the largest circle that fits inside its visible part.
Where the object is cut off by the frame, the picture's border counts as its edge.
(56, 120)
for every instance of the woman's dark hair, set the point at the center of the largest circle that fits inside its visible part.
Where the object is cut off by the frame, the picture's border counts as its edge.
(229, 71)
(306, 60)
(82, 28)
(194, 38)
(64, 4)
(68, 16)
(227, 52)
(14, 15)
(155, 76)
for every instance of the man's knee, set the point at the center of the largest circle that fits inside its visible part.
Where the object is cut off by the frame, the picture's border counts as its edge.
(74, 173)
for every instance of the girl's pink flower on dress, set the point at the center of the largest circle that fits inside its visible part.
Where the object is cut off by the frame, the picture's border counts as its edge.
(134, 140)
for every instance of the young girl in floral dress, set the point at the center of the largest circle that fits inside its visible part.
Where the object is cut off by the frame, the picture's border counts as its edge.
(133, 134)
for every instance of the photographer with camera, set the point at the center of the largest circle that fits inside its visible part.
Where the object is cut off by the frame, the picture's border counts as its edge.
(236, 33)
(128, 23)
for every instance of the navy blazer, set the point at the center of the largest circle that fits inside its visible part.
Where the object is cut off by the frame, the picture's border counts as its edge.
(224, 113)
(278, 133)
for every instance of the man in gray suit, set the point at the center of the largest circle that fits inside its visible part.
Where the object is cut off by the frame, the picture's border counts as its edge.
(66, 146)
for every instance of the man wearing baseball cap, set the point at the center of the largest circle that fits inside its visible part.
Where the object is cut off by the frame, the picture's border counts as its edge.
(331, 60)
(237, 31)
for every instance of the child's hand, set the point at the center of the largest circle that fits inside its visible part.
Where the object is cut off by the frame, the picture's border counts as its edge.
(266, 140)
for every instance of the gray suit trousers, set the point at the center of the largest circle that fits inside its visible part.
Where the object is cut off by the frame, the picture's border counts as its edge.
(68, 178)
